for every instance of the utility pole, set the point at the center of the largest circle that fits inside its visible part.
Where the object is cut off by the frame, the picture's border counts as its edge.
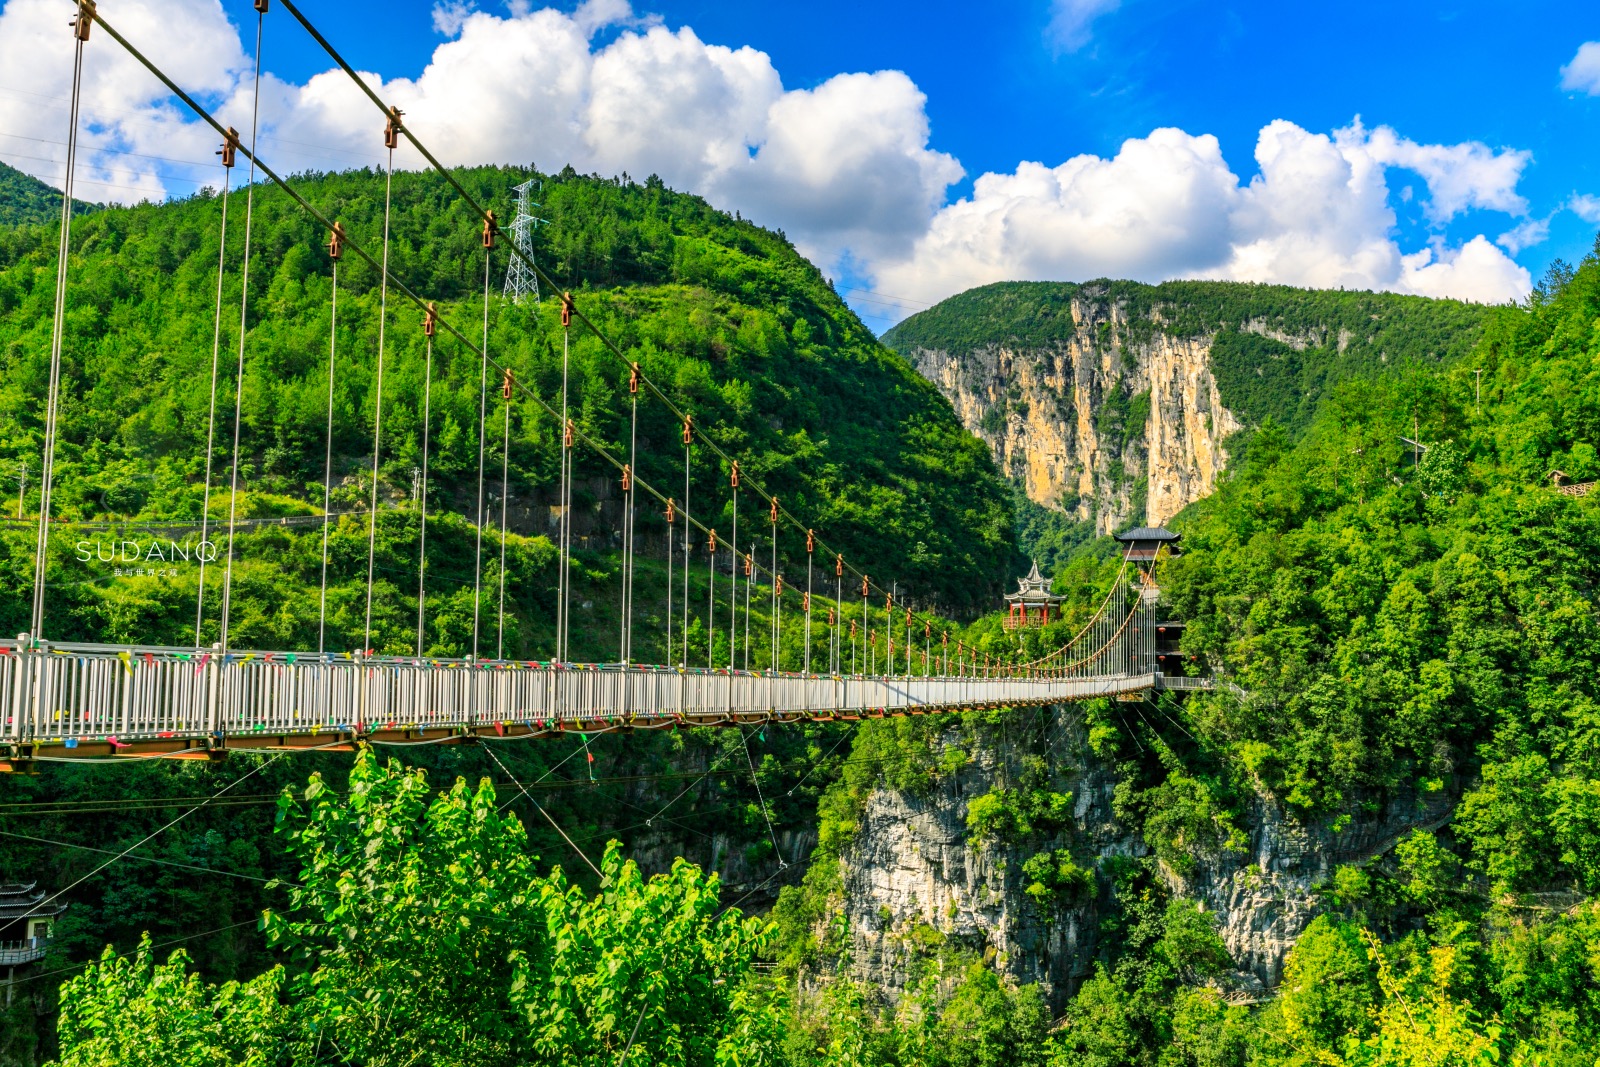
(521, 280)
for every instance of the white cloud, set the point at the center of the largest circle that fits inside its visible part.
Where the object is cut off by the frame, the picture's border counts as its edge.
(845, 167)
(1586, 207)
(1476, 271)
(1525, 234)
(1459, 176)
(1159, 206)
(1168, 205)
(1582, 75)
(450, 15)
(123, 106)
(1071, 21)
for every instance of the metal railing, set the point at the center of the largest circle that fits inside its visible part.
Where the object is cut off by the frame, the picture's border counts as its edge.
(15, 953)
(119, 694)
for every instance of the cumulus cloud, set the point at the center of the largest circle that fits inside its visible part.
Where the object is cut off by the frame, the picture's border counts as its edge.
(1586, 207)
(1160, 206)
(1582, 75)
(130, 132)
(1525, 234)
(1476, 271)
(1459, 176)
(1071, 21)
(846, 166)
(1168, 205)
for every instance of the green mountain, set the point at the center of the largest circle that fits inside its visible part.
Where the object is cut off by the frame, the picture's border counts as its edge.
(739, 329)
(1405, 783)
(1408, 643)
(1113, 404)
(27, 201)
(1275, 350)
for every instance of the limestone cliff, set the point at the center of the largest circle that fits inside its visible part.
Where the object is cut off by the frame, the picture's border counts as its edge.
(1112, 402)
(1117, 434)
(914, 880)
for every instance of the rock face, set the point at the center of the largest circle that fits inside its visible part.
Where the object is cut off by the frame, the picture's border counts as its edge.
(913, 878)
(1113, 424)
(1113, 400)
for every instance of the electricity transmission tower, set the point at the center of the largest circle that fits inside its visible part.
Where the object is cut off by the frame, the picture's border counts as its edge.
(521, 281)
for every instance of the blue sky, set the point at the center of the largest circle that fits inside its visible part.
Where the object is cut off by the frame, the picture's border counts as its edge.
(1475, 120)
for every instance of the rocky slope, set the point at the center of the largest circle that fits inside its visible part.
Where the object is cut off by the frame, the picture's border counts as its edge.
(916, 882)
(1113, 402)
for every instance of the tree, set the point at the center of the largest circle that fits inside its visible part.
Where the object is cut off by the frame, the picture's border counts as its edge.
(422, 933)
(134, 1012)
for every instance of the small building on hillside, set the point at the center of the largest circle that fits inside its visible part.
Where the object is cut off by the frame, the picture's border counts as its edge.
(27, 915)
(1147, 543)
(1032, 604)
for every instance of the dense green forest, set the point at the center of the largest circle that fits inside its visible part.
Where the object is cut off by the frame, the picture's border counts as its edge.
(739, 330)
(1399, 633)
(1396, 631)
(25, 200)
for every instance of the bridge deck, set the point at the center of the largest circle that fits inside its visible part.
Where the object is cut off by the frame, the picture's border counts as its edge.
(103, 700)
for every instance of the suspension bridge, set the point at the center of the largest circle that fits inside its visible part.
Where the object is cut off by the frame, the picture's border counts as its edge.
(78, 700)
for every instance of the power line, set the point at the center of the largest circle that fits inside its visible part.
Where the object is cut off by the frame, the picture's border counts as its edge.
(148, 859)
(160, 944)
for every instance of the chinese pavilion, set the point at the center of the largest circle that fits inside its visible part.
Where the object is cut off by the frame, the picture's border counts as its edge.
(1032, 604)
(26, 916)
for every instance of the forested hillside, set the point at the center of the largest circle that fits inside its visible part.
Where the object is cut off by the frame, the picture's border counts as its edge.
(1418, 637)
(1399, 636)
(25, 200)
(742, 332)
(1259, 374)
(1114, 404)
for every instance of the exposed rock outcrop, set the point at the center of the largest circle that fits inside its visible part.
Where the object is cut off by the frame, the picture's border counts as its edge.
(1113, 425)
(913, 878)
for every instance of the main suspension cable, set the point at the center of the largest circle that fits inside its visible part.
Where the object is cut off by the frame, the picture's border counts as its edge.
(244, 306)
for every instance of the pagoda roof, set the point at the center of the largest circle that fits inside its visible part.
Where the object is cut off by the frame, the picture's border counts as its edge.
(1149, 533)
(26, 902)
(1035, 588)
